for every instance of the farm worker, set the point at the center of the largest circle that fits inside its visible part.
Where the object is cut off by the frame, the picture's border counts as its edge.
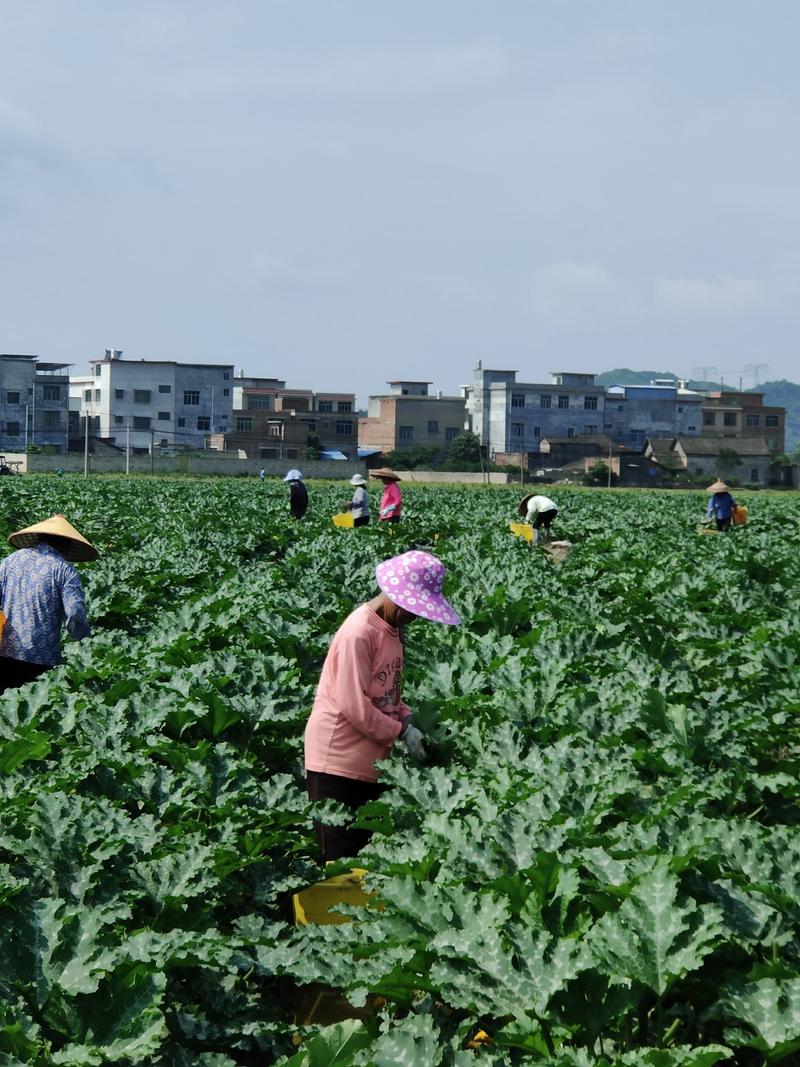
(720, 505)
(359, 505)
(298, 494)
(539, 511)
(39, 588)
(392, 499)
(358, 712)
(262, 474)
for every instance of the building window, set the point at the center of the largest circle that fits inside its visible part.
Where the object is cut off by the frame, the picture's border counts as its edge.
(325, 405)
(12, 429)
(591, 428)
(258, 403)
(275, 429)
(118, 420)
(570, 431)
(165, 388)
(680, 409)
(772, 443)
(119, 394)
(754, 474)
(164, 416)
(709, 418)
(12, 398)
(344, 405)
(226, 392)
(406, 433)
(433, 426)
(87, 394)
(52, 392)
(451, 433)
(226, 376)
(51, 419)
(268, 453)
(518, 400)
(141, 422)
(537, 431)
(191, 397)
(203, 422)
(97, 394)
(291, 453)
(772, 421)
(637, 436)
(97, 370)
(545, 400)
(590, 403)
(244, 424)
(141, 396)
(517, 429)
(563, 402)
(344, 427)
(691, 429)
(753, 420)
(729, 418)
(181, 422)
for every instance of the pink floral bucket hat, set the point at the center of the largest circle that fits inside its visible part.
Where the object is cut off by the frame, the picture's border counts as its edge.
(414, 581)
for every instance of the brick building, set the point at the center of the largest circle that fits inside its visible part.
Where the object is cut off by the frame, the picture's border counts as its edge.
(408, 416)
(727, 413)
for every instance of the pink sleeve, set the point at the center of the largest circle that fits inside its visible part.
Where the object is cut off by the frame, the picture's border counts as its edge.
(350, 691)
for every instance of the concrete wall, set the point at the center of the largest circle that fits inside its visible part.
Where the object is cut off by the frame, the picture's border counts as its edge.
(194, 463)
(463, 477)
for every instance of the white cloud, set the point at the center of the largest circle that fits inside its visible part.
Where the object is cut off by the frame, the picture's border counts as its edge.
(581, 296)
(725, 295)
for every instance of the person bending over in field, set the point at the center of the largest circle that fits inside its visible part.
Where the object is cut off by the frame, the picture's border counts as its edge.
(392, 500)
(720, 505)
(358, 712)
(540, 511)
(39, 588)
(298, 494)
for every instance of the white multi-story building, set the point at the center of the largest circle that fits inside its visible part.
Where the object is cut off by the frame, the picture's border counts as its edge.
(164, 403)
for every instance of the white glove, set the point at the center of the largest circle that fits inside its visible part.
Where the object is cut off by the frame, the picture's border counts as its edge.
(414, 740)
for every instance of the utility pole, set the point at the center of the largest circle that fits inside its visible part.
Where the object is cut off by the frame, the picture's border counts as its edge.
(128, 448)
(86, 446)
(27, 421)
(609, 466)
(152, 449)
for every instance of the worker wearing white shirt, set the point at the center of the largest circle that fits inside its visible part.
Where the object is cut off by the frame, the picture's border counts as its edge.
(539, 511)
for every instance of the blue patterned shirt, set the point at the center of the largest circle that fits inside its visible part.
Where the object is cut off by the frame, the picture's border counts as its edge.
(39, 588)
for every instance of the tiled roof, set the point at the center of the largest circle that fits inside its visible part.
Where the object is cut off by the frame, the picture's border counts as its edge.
(711, 446)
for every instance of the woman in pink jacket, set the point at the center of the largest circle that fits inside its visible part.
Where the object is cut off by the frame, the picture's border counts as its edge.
(392, 499)
(358, 712)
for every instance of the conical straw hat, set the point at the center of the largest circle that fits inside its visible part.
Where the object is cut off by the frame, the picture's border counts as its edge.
(718, 487)
(523, 504)
(386, 472)
(78, 550)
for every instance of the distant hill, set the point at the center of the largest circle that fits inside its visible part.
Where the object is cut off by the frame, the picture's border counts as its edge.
(781, 393)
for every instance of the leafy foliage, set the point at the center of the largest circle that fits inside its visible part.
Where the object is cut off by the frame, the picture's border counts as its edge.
(600, 865)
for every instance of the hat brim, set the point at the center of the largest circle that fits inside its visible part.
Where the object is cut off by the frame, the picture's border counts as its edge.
(385, 472)
(425, 604)
(523, 504)
(74, 546)
(718, 487)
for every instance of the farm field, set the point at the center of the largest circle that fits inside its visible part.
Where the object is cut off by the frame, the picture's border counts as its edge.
(600, 864)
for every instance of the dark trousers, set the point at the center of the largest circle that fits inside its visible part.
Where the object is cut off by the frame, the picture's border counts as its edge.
(544, 519)
(16, 672)
(362, 520)
(724, 524)
(337, 841)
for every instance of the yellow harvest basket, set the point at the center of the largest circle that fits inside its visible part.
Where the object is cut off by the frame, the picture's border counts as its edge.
(739, 515)
(2, 624)
(523, 530)
(343, 519)
(313, 905)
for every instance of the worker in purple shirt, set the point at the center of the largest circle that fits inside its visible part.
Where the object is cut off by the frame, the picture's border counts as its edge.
(40, 590)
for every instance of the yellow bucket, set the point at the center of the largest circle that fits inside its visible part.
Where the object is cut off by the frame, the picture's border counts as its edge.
(344, 519)
(313, 905)
(523, 530)
(739, 515)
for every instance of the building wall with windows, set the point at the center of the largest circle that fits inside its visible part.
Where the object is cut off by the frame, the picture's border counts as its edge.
(175, 405)
(34, 403)
(404, 421)
(736, 414)
(265, 435)
(633, 413)
(520, 414)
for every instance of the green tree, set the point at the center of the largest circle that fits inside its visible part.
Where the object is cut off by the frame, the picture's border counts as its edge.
(597, 474)
(727, 461)
(466, 447)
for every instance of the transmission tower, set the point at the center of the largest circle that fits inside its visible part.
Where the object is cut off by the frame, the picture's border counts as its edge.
(760, 372)
(705, 374)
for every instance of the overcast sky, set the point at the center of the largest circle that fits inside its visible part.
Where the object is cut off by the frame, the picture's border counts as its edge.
(338, 193)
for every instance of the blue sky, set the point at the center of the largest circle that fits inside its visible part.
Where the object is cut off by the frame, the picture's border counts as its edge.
(338, 193)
